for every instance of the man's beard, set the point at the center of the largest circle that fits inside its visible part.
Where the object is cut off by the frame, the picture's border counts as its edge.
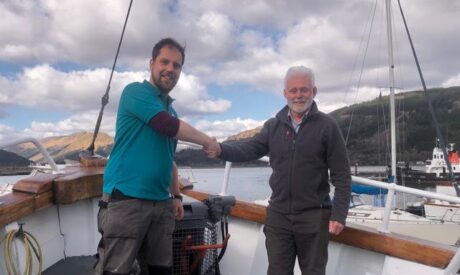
(300, 109)
(165, 82)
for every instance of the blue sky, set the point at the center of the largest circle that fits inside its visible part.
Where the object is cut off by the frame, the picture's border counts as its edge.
(55, 62)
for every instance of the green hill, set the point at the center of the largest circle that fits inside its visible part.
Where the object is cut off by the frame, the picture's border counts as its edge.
(368, 128)
(12, 164)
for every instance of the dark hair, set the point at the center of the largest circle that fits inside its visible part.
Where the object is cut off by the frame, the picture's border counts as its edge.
(168, 42)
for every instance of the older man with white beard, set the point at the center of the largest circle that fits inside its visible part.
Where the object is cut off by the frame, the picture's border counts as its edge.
(306, 151)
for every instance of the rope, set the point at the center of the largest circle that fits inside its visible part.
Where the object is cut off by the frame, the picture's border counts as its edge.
(430, 107)
(105, 97)
(30, 245)
(360, 74)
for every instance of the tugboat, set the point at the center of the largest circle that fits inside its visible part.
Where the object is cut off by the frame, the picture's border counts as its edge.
(435, 173)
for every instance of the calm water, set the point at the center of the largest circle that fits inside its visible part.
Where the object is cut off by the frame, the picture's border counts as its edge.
(245, 183)
(252, 183)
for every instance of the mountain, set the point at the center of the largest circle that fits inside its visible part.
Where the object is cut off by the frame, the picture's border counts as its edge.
(245, 134)
(65, 147)
(367, 126)
(11, 159)
(12, 164)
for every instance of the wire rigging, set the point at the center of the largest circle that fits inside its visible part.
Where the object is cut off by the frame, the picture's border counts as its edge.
(105, 97)
(360, 74)
(430, 107)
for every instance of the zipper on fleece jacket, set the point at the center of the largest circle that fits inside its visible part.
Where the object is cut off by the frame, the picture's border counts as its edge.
(291, 168)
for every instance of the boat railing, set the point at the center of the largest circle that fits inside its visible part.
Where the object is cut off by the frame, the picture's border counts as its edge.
(40, 147)
(391, 187)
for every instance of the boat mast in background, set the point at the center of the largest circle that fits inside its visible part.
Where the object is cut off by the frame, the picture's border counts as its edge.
(392, 179)
(430, 107)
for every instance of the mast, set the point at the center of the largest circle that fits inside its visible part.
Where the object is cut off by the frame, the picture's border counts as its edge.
(392, 92)
(392, 179)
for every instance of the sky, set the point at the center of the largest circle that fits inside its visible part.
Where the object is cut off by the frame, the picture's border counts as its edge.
(56, 57)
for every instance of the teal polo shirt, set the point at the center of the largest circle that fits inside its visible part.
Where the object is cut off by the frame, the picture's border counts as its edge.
(140, 164)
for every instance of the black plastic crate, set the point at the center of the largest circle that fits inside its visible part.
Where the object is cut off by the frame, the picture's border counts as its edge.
(196, 226)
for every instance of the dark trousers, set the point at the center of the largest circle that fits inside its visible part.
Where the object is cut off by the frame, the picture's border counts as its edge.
(304, 236)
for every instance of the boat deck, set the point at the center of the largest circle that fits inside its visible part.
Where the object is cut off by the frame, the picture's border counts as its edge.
(72, 266)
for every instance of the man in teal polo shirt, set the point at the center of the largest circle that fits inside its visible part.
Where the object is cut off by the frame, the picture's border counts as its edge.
(141, 192)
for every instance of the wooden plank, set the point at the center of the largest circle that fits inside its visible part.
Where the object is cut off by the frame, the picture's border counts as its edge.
(17, 205)
(77, 184)
(396, 245)
(35, 184)
(392, 244)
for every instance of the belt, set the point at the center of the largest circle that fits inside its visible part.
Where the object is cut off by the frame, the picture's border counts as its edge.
(116, 195)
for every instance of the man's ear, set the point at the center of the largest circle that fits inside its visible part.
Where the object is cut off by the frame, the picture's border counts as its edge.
(315, 91)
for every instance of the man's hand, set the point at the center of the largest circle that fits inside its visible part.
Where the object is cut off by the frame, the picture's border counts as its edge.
(178, 209)
(335, 227)
(213, 149)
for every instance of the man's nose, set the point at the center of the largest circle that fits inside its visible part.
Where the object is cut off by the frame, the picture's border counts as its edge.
(170, 67)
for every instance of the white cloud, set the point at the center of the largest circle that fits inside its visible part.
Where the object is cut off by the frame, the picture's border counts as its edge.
(84, 121)
(44, 87)
(222, 129)
(192, 98)
(240, 43)
(453, 81)
(8, 133)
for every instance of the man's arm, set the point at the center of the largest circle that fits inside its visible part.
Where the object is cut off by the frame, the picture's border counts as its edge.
(339, 168)
(173, 127)
(252, 149)
(190, 134)
(174, 189)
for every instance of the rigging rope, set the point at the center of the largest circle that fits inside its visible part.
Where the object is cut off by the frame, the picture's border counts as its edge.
(105, 97)
(360, 74)
(430, 107)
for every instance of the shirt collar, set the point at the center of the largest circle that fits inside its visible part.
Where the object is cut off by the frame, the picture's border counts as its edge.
(157, 91)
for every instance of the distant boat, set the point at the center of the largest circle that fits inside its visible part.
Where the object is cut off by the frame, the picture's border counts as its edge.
(440, 210)
(435, 172)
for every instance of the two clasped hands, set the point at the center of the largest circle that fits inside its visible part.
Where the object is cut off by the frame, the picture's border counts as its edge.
(212, 149)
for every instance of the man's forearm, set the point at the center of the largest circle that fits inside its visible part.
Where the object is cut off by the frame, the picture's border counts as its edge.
(174, 186)
(190, 134)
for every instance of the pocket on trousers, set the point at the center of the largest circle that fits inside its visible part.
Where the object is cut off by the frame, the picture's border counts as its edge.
(123, 218)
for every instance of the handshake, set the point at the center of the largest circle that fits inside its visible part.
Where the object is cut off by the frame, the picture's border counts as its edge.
(212, 148)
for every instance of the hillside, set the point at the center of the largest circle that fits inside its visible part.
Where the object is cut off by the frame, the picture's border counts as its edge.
(11, 159)
(12, 164)
(368, 137)
(65, 147)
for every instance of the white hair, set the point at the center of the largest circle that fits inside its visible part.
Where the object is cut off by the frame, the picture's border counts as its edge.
(299, 70)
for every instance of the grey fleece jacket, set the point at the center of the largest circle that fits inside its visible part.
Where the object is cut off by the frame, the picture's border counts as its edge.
(300, 162)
